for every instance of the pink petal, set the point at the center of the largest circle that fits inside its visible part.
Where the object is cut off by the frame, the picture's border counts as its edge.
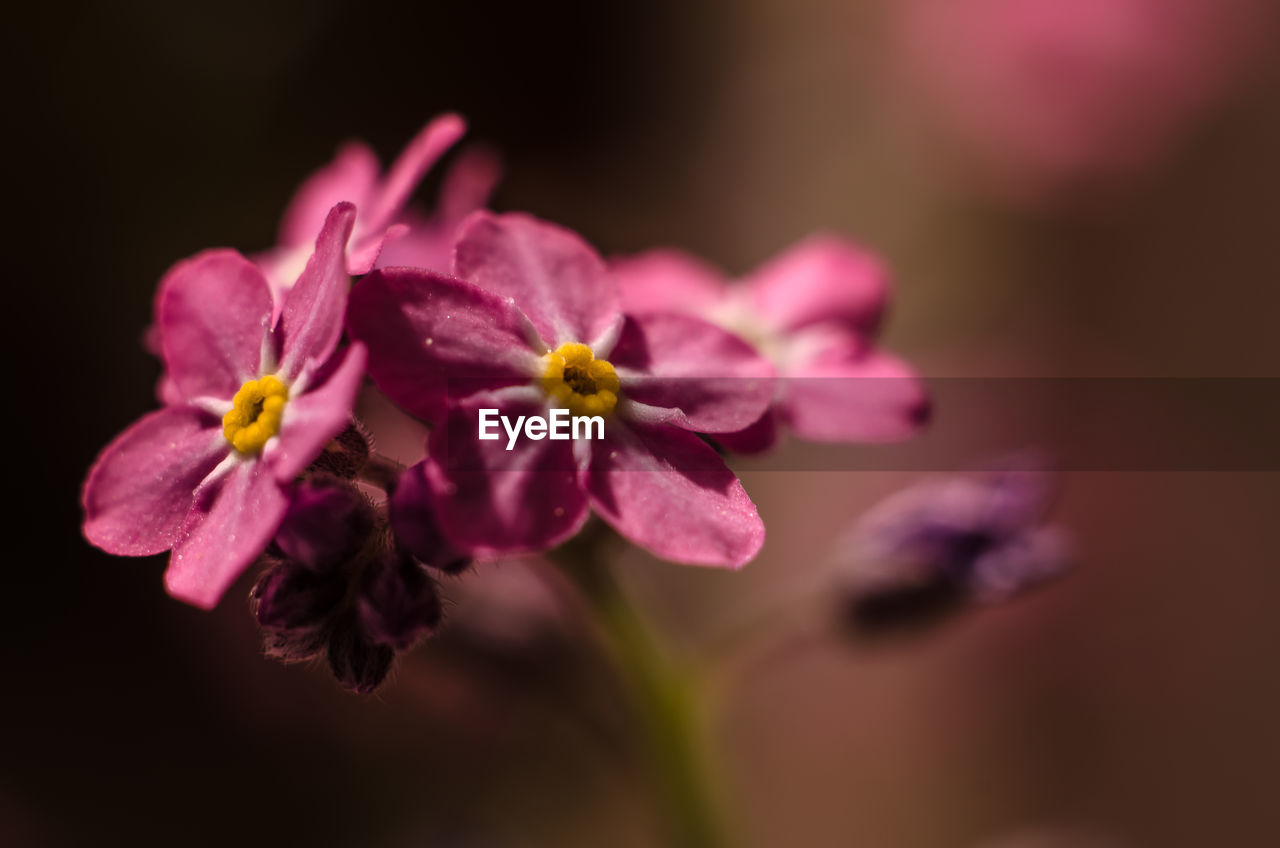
(840, 390)
(317, 416)
(553, 276)
(494, 501)
(313, 310)
(823, 278)
(666, 490)
(430, 336)
(429, 242)
(230, 525)
(667, 281)
(712, 380)
(468, 185)
(351, 177)
(366, 247)
(758, 438)
(214, 314)
(167, 392)
(407, 171)
(426, 245)
(139, 489)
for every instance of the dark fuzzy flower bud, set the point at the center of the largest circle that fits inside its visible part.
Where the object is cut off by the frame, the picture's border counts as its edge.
(359, 663)
(397, 602)
(345, 455)
(937, 546)
(290, 596)
(413, 519)
(328, 523)
(291, 646)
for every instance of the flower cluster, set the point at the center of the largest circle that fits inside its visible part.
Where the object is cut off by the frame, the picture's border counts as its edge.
(256, 454)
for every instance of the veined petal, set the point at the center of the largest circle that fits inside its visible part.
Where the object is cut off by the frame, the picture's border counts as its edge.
(493, 501)
(351, 177)
(140, 489)
(229, 526)
(215, 310)
(666, 490)
(312, 315)
(431, 336)
(552, 274)
(715, 380)
(317, 416)
(823, 278)
(667, 281)
(838, 389)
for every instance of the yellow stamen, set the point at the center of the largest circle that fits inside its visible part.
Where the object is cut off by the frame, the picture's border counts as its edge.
(255, 414)
(583, 384)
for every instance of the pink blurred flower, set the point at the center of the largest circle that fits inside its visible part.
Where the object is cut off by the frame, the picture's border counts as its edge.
(1041, 93)
(813, 311)
(531, 322)
(254, 399)
(354, 177)
(428, 243)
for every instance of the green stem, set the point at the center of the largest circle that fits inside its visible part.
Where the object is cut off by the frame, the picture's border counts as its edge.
(666, 700)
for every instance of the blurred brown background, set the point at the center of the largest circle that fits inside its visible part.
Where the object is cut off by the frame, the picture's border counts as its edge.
(1133, 702)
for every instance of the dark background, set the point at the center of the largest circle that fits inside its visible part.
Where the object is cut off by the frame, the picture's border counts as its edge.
(1138, 699)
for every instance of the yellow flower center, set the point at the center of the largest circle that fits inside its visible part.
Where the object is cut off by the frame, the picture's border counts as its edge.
(583, 384)
(255, 414)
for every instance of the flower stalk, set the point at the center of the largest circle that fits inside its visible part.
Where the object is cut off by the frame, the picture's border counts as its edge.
(665, 697)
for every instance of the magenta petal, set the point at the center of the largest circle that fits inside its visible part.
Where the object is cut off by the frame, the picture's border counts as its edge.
(554, 277)
(312, 315)
(823, 278)
(426, 245)
(139, 490)
(429, 242)
(842, 391)
(430, 336)
(666, 490)
(667, 281)
(758, 438)
(407, 171)
(229, 526)
(468, 185)
(366, 248)
(351, 177)
(214, 314)
(493, 501)
(316, 417)
(716, 381)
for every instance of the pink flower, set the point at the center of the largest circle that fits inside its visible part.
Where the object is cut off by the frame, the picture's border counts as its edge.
(428, 243)
(353, 176)
(532, 322)
(1044, 93)
(812, 311)
(254, 399)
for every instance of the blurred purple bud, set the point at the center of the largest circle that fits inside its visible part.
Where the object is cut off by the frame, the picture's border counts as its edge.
(290, 596)
(397, 602)
(931, 548)
(359, 663)
(328, 522)
(414, 522)
(345, 455)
